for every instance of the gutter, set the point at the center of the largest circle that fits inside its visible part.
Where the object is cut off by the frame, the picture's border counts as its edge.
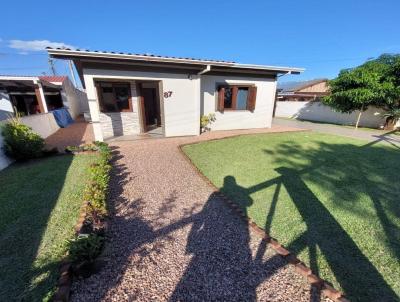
(281, 75)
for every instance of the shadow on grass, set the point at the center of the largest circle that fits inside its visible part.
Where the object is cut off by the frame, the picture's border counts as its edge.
(28, 195)
(347, 171)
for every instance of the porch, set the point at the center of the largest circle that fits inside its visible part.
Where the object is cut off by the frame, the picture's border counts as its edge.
(129, 109)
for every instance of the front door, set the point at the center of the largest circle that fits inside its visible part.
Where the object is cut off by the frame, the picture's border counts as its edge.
(151, 108)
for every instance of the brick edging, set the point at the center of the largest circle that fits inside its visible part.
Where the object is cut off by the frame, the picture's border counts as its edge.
(64, 282)
(314, 280)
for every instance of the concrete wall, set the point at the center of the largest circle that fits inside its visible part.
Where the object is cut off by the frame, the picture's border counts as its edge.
(180, 112)
(74, 99)
(6, 108)
(241, 119)
(316, 111)
(43, 124)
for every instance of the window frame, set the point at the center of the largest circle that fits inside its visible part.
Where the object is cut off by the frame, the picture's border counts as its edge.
(113, 85)
(235, 89)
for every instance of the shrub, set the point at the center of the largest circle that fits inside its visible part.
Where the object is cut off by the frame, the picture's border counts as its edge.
(96, 189)
(20, 142)
(85, 248)
(206, 120)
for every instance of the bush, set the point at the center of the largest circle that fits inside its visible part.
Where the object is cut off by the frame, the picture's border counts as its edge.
(96, 189)
(20, 142)
(85, 248)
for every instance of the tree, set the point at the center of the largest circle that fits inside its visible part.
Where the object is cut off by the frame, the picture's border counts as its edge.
(376, 82)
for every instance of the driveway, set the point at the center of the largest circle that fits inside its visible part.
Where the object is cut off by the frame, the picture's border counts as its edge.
(371, 135)
(172, 239)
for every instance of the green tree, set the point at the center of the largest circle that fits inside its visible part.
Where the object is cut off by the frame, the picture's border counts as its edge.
(376, 82)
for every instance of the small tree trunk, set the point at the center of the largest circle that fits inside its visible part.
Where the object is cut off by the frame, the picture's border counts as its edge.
(359, 116)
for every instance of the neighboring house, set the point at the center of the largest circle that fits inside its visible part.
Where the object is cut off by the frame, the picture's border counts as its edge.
(302, 91)
(30, 95)
(34, 98)
(302, 100)
(130, 94)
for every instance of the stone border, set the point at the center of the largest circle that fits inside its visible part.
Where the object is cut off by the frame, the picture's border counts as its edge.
(326, 288)
(64, 283)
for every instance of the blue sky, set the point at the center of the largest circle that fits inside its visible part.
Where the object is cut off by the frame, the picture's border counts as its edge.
(322, 36)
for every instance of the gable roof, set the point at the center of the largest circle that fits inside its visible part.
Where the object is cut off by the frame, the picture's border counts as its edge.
(296, 86)
(78, 54)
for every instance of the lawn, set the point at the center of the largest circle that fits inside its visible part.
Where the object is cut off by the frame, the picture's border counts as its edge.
(39, 207)
(334, 201)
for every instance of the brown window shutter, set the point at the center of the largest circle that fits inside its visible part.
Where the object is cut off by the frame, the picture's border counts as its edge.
(221, 96)
(251, 102)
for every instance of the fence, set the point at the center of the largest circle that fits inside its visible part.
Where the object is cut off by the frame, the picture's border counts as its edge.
(316, 111)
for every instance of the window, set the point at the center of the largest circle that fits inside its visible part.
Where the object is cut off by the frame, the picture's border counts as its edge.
(236, 97)
(114, 97)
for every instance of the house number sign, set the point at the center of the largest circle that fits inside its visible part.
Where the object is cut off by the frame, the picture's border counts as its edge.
(167, 94)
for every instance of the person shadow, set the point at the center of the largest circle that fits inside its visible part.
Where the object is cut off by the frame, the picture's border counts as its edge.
(222, 267)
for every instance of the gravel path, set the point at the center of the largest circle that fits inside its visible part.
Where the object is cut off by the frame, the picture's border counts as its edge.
(172, 239)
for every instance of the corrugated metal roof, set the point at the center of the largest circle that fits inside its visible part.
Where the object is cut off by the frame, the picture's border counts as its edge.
(67, 53)
(142, 55)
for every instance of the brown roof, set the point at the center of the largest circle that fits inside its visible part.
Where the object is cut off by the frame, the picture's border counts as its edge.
(296, 86)
(53, 78)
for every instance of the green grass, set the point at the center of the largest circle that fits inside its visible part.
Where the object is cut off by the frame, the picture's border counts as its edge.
(39, 207)
(332, 200)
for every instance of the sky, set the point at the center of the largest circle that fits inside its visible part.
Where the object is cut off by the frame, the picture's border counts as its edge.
(321, 36)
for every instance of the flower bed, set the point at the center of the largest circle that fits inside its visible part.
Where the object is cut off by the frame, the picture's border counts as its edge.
(90, 229)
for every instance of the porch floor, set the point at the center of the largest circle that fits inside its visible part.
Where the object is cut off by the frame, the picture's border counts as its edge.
(153, 133)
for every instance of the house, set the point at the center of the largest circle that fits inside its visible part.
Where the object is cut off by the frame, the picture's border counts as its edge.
(302, 100)
(39, 94)
(35, 97)
(132, 94)
(302, 91)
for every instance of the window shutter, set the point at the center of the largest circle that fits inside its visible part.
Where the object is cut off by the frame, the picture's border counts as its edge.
(221, 95)
(251, 102)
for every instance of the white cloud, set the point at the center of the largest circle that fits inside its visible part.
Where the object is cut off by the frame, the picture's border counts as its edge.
(36, 45)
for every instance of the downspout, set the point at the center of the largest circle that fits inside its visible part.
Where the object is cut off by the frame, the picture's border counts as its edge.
(201, 100)
(207, 69)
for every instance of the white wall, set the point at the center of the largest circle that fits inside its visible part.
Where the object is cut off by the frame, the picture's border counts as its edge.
(43, 124)
(6, 108)
(243, 119)
(316, 111)
(73, 98)
(181, 111)
(4, 160)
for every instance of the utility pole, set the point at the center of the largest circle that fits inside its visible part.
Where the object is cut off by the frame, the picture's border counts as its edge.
(71, 70)
(52, 67)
